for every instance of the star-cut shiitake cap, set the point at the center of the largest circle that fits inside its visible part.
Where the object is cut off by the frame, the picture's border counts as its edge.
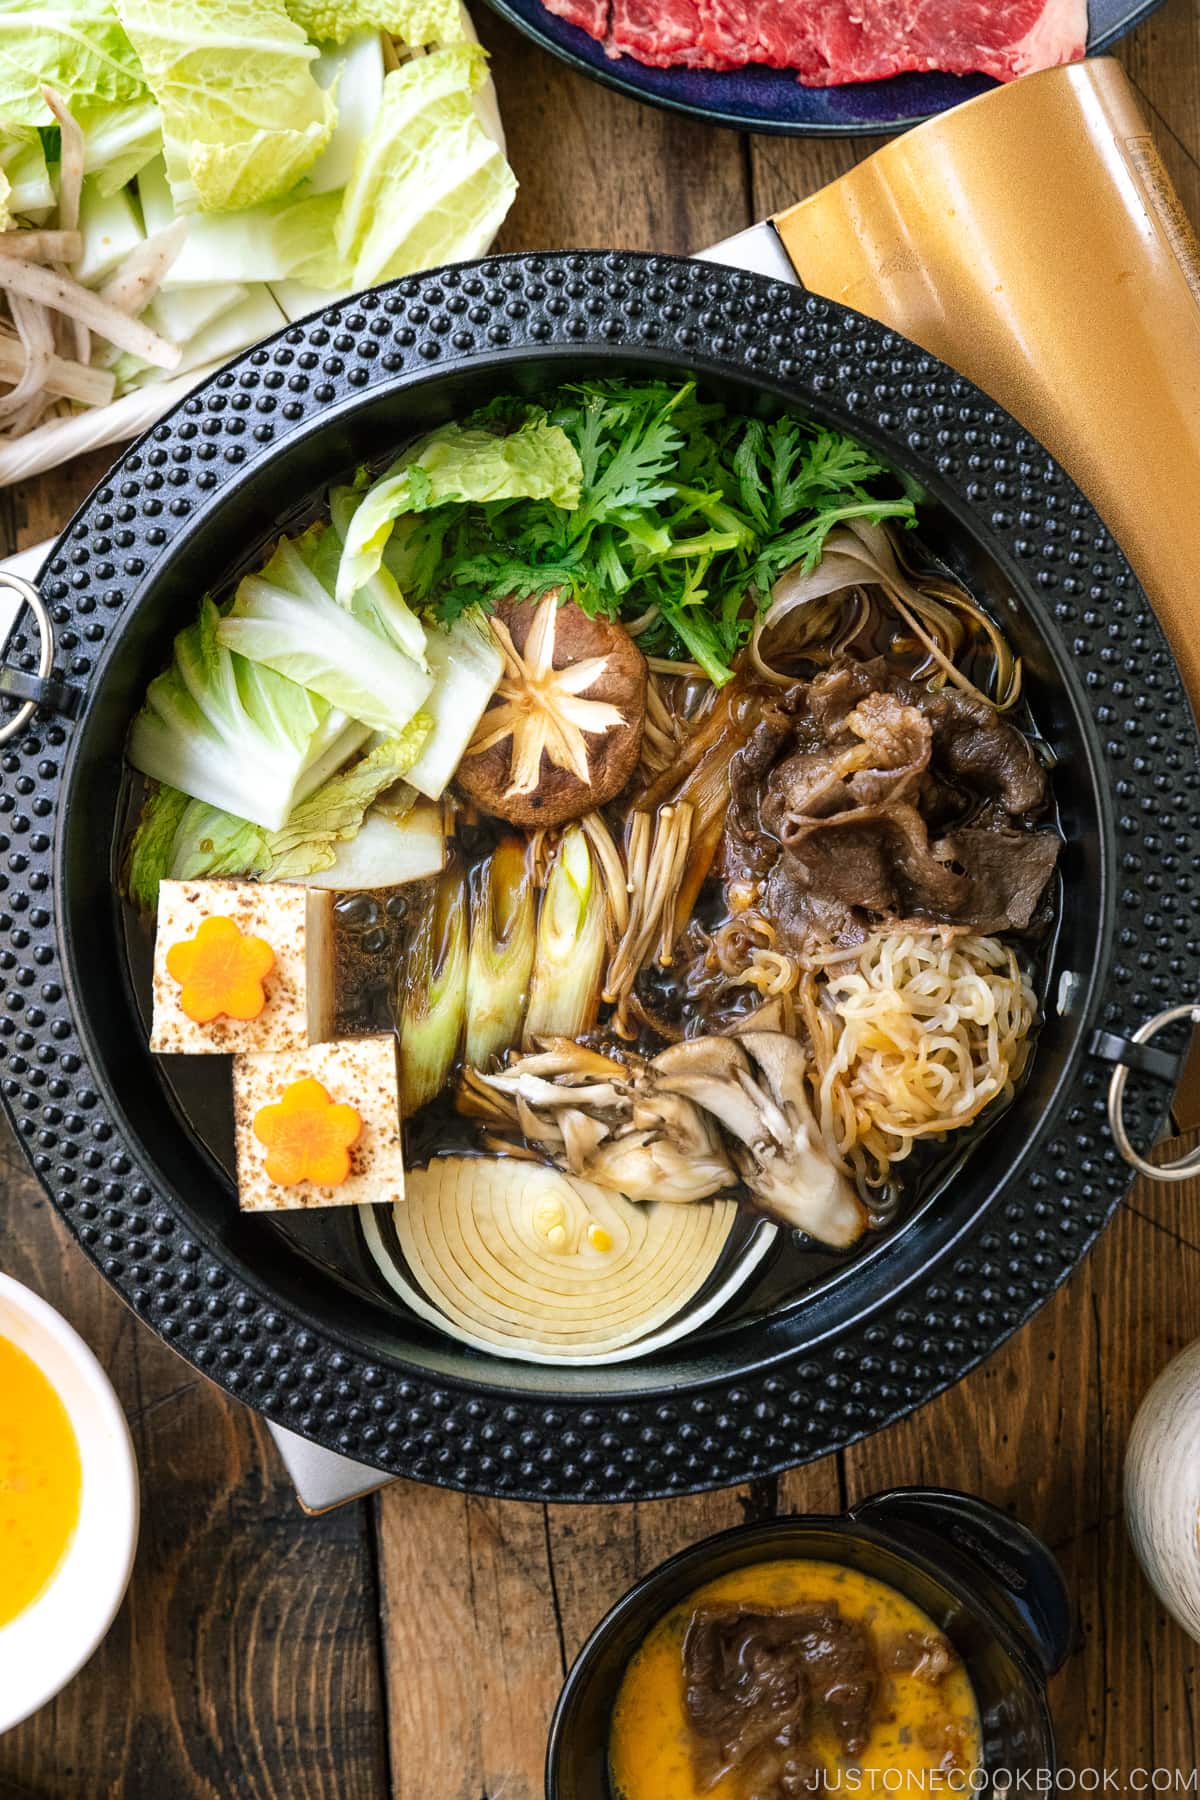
(564, 728)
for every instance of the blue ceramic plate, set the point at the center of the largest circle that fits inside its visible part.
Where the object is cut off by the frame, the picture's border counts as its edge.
(772, 99)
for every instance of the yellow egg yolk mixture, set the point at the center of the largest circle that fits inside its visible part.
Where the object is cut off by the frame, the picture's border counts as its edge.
(41, 1481)
(917, 1725)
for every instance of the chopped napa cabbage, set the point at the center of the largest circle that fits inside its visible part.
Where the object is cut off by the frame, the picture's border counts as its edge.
(6, 218)
(378, 602)
(353, 73)
(183, 313)
(152, 846)
(466, 665)
(429, 184)
(286, 619)
(387, 850)
(252, 317)
(110, 228)
(77, 47)
(412, 22)
(458, 463)
(181, 839)
(23, 164)
(257, 243)
(118, 142)
(233, 328)
(335, 813)
(243, 117)
(299, 298)
(240, 737)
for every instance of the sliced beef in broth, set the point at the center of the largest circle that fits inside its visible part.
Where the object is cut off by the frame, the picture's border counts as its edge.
(862, 794)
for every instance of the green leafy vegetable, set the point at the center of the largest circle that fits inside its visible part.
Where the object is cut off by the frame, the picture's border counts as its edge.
(335, 812)
(243, 117)
(432, 992)
(412, 22)
(241, 737)
(466, 666)
(378, 601)
(461, 464)
(429, 185)
(152, 845)
(285, 618)
(77, 47)
(686, 514)
(187, 840)
(503, 941)
(23, 165)
(118, 142)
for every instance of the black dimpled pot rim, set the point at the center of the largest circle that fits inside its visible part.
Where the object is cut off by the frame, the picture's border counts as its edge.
(189, 506)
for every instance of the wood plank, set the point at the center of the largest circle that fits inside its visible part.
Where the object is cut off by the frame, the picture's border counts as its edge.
(473, 1655)
(597, 169)
(785, 170)
(245, 1659)
(1161, 59)
(39, 509)
(600, 1551)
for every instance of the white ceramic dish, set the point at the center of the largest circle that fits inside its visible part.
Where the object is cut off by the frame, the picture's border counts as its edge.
(44, 1646)
(1162, 1488)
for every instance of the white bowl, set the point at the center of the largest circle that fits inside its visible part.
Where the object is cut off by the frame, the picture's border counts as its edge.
(48, 1643)
(1162, 1488)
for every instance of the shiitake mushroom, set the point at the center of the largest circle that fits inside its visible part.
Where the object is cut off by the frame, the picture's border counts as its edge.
(564, 729)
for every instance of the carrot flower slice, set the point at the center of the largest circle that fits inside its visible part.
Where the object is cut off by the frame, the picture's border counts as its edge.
(221, 971)
(308, 1135)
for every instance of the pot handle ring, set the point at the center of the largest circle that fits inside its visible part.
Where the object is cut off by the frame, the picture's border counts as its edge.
(1187, 1166)
(33, 690)
(1007, 1562)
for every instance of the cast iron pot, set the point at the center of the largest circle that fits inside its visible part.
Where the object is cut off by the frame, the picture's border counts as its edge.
(989, 1585)
(292, 1317)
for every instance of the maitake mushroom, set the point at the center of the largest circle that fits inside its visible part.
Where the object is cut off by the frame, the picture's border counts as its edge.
(564, 728)
(754, 1084)
(602, 1118)
(647, 1129)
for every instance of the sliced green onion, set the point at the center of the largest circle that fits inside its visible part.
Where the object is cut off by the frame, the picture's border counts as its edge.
(433, 992)
(501, 954)
(564, 995)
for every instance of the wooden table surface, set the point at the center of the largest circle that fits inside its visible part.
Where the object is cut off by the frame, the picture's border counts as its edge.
(413, 1645)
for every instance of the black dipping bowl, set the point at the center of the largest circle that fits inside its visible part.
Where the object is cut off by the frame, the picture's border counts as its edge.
(991, 1586)
(291, 1314)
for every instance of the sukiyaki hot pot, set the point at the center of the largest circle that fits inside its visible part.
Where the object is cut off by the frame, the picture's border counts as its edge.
(672, 1054)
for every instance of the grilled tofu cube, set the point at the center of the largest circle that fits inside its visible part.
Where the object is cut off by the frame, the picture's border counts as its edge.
(357, 1072)
(296, 922)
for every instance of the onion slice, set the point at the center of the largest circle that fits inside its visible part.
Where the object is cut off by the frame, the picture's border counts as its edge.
(516, 1257)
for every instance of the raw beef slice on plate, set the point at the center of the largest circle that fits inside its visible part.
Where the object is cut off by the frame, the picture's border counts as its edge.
(592, 15)
(868, 40)
(830, 42)
(665, 34)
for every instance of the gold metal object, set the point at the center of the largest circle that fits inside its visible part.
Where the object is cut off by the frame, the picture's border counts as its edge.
(1032, 238)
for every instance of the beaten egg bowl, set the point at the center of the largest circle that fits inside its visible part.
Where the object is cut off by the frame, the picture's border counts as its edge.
(57, 1628)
